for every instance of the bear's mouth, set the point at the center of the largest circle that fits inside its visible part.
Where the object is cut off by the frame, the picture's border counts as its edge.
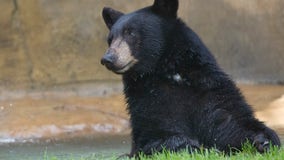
(116, 66)
(125, 68)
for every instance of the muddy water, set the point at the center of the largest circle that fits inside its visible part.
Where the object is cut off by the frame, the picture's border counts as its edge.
(79, 125)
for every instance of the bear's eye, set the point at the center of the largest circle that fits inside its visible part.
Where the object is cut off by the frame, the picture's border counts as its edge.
(129, 32)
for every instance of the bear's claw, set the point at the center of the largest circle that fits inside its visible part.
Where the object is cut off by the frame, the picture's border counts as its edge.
(261, 143)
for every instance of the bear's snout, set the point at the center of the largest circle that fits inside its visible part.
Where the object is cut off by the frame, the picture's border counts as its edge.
(118, 57)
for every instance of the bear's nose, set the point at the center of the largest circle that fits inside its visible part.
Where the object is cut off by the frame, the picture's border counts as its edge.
(107, 60)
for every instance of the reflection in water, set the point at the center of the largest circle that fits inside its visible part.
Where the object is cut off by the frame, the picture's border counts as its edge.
(31, 119)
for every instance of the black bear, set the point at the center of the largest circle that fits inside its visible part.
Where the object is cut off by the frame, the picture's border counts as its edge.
(177, 95)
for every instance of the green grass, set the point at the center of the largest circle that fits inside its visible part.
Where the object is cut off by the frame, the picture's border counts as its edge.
(248, 153)
(205, 154)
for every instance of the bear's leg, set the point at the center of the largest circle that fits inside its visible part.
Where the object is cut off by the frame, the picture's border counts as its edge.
(173, 143)
(263, 139)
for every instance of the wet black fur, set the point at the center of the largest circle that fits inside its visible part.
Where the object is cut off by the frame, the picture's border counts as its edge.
(203, 107)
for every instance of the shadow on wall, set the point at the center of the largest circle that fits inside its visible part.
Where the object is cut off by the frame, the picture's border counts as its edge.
(44, 43)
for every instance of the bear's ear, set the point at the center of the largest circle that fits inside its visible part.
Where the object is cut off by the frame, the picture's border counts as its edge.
(166, 7)
(111, 16)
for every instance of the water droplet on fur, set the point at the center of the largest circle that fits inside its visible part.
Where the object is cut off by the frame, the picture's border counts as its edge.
(177, 77)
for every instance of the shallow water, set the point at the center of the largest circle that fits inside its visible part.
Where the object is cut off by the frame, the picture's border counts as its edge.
(104, 146)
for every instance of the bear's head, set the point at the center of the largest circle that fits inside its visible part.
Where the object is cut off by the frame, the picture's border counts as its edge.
(136, 40)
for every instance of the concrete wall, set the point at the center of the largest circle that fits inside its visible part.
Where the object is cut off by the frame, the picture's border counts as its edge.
(50, 42)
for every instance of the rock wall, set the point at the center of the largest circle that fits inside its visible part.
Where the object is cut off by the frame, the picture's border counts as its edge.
(44, 43)
(246, 37)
